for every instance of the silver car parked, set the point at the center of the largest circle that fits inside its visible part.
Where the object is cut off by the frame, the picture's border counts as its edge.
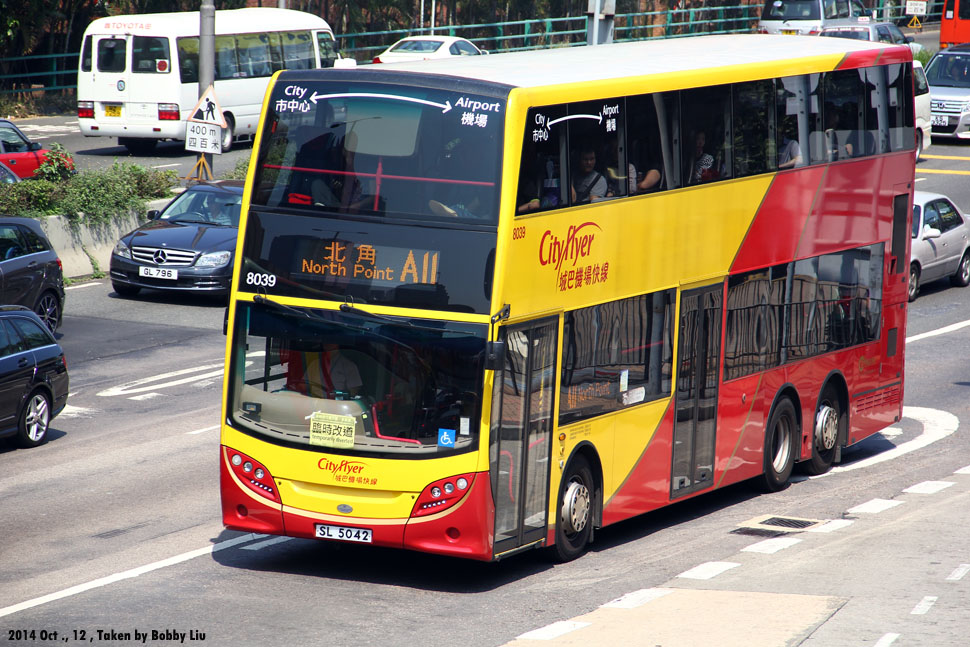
(941, 242)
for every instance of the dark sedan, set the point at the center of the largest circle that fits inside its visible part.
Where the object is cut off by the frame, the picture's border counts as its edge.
(187, 246)
(33, 376)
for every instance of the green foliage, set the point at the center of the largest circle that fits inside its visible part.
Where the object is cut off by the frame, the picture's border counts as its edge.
(31, 198)
(99, 195)
(924, 56)
(58, 164)
(239, 172)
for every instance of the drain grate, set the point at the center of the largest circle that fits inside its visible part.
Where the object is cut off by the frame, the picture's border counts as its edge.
(774, 526)
(786, 522)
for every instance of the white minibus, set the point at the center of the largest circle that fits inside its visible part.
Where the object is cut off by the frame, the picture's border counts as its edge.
(138, 77)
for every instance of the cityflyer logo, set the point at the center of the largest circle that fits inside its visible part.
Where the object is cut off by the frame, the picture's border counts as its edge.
(571, 252)
(343, 467)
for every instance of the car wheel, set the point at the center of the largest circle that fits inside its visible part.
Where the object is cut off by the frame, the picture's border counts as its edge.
(125, 290)
(48, 308)
(962, 277)
(913, 281)
(575, 523)
(228, 133)
(34, 419)
(781, 436)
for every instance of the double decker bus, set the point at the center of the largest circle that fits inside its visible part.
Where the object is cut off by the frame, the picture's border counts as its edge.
(138, 74)
(490, 304)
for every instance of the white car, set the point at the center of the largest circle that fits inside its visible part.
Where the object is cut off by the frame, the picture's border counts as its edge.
(420, 48)
(878, 32)
(924, 112)
(941, 242)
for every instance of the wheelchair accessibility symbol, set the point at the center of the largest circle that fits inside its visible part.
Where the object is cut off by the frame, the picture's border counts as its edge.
(446, 438)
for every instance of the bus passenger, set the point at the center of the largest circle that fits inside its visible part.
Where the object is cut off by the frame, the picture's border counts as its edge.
(702, 163)
(589, 185)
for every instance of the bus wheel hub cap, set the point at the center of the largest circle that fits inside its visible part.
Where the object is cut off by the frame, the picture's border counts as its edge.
(575, 507)
(826, 427)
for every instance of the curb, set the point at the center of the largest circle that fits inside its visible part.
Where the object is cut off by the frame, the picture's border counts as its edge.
(88, 250)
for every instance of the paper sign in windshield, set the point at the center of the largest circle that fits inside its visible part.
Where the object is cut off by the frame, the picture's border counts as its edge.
(332, 430)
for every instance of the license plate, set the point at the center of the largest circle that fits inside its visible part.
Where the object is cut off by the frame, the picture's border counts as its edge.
(940, 120)
(158, 273)
(342, 533)
(790, 32)
(112, 111)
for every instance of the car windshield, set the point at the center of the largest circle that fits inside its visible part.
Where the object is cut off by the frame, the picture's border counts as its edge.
(791, 10)
(380, 150)
(857, 34)
(949, 70)
(209, 207)
(357, 383)
(916, 212)
(423, 46)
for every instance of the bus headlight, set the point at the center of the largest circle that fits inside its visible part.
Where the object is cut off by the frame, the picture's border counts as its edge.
(213, 259)
(122, 250)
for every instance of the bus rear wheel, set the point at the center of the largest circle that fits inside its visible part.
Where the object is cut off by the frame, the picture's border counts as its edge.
(780, 442)
(228, 133)
(575, 524)
(829, 422)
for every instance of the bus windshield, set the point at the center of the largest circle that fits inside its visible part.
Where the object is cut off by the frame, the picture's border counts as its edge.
(374, 149)
(357, 383)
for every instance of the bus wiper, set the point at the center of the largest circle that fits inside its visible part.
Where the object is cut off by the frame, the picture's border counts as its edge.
(301, 312)
(352, 309)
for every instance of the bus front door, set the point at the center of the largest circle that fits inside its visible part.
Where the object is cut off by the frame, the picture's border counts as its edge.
(521, 434)
(696, 397)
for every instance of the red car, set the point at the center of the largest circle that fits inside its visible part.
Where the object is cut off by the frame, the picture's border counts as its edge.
(18, 153)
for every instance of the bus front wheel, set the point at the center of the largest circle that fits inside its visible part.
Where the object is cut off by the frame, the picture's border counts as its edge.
(575, 524)
(780, 442)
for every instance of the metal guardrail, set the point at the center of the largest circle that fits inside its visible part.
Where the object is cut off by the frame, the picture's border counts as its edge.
(27, 74)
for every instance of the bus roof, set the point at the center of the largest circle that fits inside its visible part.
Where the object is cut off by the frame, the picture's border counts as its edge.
(186, 23)
(539, 68)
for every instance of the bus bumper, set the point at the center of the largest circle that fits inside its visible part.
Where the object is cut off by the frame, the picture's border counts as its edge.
(463, 530)
(159, 130)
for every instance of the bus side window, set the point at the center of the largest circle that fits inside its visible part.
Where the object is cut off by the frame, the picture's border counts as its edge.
(540, 169)
(706, 119)
(86, 54)
(189, 59)
(227, 67)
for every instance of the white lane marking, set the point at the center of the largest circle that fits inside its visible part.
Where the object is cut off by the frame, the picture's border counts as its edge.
(771, 546)
(70, 411)
(937, 425)
(137, 386)
(891, 432)
(939, 331)
(124, 575)
(82, 285)
(832, 526)
(874, 507)
(929, 487)
(707, 570)
(165, 165)
(553, 631)
(144, 396)
(259, 545)
(958, 573)
(201, 431)
(963, 470)
(886, 640)
(637, 598)
(923, 606)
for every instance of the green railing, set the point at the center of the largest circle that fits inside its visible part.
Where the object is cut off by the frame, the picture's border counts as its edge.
(26, 74)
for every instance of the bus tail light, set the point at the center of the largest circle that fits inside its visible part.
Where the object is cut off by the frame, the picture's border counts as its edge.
(442, 494)
(256, 477)
(85, 109)
(168, 112)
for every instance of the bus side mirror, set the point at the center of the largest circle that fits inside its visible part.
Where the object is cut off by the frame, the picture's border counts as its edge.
(494, 355)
